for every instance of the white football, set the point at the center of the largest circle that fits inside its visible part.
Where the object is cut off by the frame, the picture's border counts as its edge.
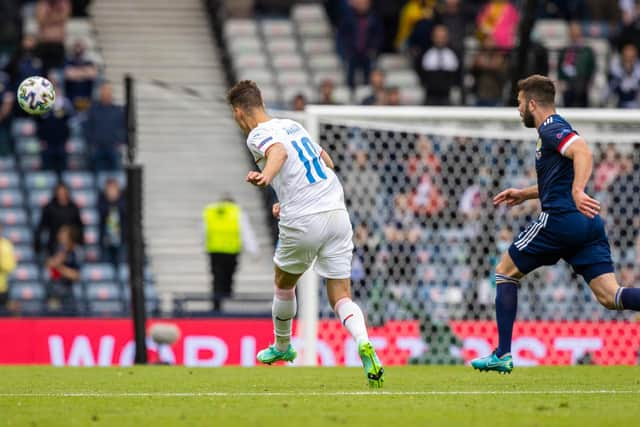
(36, 95)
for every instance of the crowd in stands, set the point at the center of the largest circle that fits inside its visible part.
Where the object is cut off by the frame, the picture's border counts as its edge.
(465, 52)
(62, 203)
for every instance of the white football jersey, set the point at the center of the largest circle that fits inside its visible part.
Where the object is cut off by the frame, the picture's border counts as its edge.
(304, 185)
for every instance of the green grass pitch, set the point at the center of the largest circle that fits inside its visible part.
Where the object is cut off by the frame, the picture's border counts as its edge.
(308, 397)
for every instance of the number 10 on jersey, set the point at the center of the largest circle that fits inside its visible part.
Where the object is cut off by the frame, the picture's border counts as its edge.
(313, 158)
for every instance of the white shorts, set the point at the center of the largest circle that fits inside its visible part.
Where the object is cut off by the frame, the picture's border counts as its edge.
(325, 237)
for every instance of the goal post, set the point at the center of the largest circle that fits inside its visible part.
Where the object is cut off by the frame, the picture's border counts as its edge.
(420, 205)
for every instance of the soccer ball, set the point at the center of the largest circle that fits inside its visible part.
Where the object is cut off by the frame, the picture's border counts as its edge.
(36, 95)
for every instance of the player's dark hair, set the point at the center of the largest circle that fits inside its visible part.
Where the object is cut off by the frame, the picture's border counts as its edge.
(246, 95)
(539, 88)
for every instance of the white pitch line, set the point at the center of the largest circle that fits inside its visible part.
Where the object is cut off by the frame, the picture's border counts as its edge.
(320, 394)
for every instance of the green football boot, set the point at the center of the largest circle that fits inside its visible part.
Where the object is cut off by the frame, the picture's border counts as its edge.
(372, 366)
(503, 365)
(271, 354)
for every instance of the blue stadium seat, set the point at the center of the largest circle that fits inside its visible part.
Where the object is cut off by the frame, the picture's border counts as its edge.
(25, 273)
(30, 162)
(77, 162)
(118, 176)
(9, 180)
(91, 236)
(99, 272)
(123, 274)
(106, 308)
(92, 253)
(13, 216)
(28, 146)
(89, 216)
(79, 180)
(7, 164)
(24, 253)
(25, 291)
(19, 235)
(104, 291)
(39, 198)
(44, 180)
(84, 198)
(11, 198)
(21, 127)
(77, 146)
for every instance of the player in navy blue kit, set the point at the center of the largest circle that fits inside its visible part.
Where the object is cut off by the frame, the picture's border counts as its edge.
(568, 227)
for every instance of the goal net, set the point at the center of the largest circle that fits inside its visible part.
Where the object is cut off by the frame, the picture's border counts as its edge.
(419, 184)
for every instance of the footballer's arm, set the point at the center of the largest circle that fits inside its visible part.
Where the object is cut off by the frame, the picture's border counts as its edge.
(582, 158)
(326, 158)
(276, 155)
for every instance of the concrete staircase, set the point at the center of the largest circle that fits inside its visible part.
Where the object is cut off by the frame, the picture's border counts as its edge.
(190, 147)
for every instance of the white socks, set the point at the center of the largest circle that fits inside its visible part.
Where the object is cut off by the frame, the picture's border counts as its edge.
(283, 311)
(352, 318)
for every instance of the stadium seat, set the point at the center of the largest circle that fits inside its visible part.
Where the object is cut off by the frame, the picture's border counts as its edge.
(288, 93)
(11, 198)
(9, 180)
(19, 235)
(342, 95)
(106, 308)
(44, 180)
(308, 13)
(7, 164)
(22, 127)
(239, 27)
(250, 60)
(99, 272)
(25, 273)
(287, 61)
(318, 46)
(325, 62)
(76, 146)
(271, 95)
(104, 291)
(89, 216)
(263, 77)
(272, 28)
(322, 75)
(318, 29)
(293, 78)
(78, 180)
(91, 235)
(84, 198)
(393, 61)
(28, 146)
(13, 216)
(29, 296)
(123, 274)
(411, 96)
(280, 45)
(24, 253)
(91, 253)
(30, 162)
(118, 176)
(39, 198)
(77, 162)
(361, 92)
(554, 33)
(402, 78)
(238, 45)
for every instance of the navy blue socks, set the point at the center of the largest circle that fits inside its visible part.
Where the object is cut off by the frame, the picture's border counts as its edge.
(506, 308)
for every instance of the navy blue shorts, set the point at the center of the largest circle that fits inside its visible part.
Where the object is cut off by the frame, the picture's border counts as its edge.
(580, 241)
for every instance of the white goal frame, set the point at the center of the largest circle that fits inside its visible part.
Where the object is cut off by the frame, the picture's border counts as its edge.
(479, 121)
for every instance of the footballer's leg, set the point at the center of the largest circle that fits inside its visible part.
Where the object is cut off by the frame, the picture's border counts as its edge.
(339, 293)
(507, 281)
(613, 296)
(283, 311)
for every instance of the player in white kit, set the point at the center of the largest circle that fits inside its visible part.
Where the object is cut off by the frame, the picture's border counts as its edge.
(314, 223)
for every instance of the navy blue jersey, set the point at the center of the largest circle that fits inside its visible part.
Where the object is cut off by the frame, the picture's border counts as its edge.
(554, 170)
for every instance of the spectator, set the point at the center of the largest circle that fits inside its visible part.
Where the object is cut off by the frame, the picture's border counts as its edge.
(60, 211)
(424, 161)
(105, 131)
(490, 70)
(576, 68)
(112, 222)
(420, 38)
(450, 15)
(25, 63)
(227, 232)
(326, 93)
(6, 107)
(7, 265)
(362, 183)
(498, 20)
(53, 132)
(366, 246)
(80, 74)
(376, 83)
(64, 271)
(624, 78)
(10, 20)
(413, 12)
(607, 170)
(630, 33)
(624, 212)
(440, 69)
(299, 102)
(52, 16)
(360, 37)
(392, 96)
